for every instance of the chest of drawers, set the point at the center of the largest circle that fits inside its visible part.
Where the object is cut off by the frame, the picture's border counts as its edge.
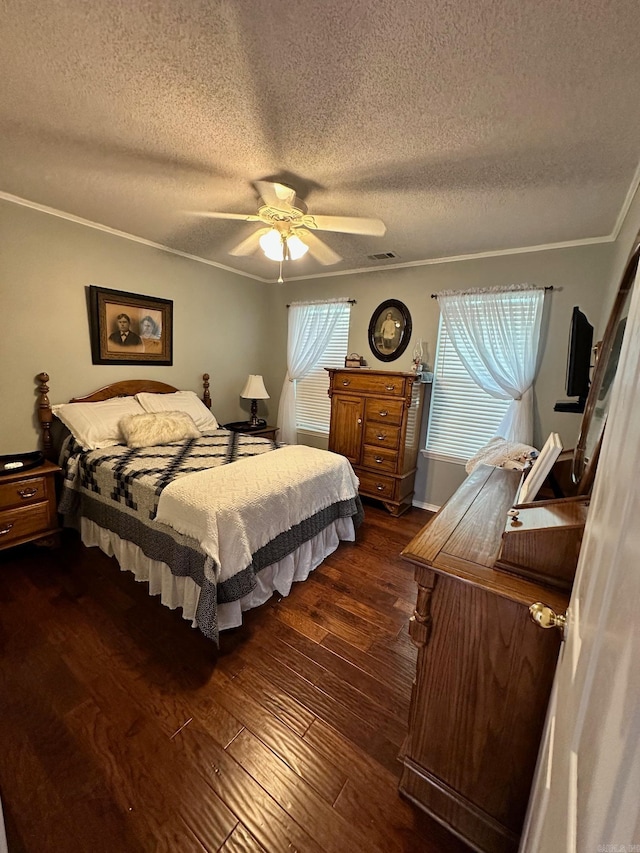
(375, 423)
(28, 509)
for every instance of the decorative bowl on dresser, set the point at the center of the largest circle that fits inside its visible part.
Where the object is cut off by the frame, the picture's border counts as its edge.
(28, 509)
(375, 423)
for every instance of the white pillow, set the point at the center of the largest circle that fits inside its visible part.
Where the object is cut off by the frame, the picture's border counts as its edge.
(95, 425)
(153, 428)
(180, 401)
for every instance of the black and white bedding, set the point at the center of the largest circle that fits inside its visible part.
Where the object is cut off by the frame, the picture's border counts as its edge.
(217, 535)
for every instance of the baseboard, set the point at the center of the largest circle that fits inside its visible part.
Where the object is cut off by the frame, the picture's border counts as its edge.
(422, 505)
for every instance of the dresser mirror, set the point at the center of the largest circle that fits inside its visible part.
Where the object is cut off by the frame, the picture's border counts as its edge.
(585, 457)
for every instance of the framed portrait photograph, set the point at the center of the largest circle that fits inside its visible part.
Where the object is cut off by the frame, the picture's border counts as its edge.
(389, 330)
(128, 328)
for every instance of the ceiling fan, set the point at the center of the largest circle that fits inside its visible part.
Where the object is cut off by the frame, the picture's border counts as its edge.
(287, 232)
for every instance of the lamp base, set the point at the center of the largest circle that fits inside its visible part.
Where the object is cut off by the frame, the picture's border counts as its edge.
(253, 420)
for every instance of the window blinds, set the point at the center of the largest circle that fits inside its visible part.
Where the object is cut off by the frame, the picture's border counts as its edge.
(462, 417)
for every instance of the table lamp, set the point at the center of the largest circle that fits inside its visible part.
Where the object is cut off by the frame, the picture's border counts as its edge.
(254, 390)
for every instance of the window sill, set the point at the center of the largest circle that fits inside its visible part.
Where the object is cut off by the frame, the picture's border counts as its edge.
(319, 433)
(441, 457)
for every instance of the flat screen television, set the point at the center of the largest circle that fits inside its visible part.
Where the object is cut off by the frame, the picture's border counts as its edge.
(578, 363)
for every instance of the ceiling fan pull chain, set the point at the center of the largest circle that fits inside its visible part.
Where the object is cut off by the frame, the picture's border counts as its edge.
(280, 279)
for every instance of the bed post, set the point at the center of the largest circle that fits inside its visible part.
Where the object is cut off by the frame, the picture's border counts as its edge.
(206, 397)
(45, 415)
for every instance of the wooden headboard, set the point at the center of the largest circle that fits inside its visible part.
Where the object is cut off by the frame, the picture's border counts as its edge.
(125, 388)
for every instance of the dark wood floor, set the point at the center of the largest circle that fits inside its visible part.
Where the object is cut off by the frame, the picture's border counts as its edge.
(122, 730)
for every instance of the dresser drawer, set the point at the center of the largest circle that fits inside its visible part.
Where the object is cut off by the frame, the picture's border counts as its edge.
(379, 459)
(29, 490)
(369, 383)
(381, 435)
(384, 412)
(376, 485)
(23, 522)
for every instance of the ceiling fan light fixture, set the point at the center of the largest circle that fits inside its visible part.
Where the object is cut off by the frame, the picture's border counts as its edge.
(296, 247)
(273, 243)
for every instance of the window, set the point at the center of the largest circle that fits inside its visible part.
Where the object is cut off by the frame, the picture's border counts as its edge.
(313, 406)
(462, 417)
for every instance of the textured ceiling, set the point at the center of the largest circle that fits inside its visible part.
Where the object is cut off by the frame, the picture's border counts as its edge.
(467, 126)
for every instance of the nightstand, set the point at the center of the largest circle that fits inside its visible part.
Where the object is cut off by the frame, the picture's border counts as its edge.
(28, 509)
(263, 431)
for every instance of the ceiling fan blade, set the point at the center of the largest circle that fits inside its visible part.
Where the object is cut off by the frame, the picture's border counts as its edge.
(246, 217)
(276, 195)
(317, 249)
(347, 224)
(250, 243)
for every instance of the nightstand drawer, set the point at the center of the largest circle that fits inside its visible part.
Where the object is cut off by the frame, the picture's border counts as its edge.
(25, 491)
(23, 522)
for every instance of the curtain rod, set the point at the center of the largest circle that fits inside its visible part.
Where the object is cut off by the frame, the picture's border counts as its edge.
(489, 290)
(350, 301)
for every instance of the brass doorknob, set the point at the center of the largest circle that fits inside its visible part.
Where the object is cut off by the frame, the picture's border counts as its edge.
(546, 617)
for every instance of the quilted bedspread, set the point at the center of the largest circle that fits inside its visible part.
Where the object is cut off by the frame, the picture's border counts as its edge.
(255, 501)
(126, 491)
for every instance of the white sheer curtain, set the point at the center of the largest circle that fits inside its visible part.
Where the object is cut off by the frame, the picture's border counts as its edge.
(311, 325)
(496, 334)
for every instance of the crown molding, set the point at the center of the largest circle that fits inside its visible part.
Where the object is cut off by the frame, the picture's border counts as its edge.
(588, 241)
(624, 210)
(87, 223)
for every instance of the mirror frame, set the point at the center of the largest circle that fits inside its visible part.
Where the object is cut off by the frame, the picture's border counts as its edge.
(583, 470)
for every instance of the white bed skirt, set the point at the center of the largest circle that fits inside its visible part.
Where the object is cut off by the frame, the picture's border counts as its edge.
(184, 592)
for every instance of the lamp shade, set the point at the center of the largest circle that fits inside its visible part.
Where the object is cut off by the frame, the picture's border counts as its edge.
(254, 388)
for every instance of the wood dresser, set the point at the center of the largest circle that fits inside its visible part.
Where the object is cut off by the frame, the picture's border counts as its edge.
(375, 423)
(485, 670)
(28, 510)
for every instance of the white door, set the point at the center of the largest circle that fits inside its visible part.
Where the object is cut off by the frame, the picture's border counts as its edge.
(586, 793)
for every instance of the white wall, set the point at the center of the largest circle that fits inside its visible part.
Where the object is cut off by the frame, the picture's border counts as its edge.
(224, 324)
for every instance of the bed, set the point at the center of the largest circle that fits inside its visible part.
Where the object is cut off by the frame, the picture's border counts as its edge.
(213, 521)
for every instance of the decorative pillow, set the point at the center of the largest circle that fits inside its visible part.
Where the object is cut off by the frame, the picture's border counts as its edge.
(180, 401)
(153, 428)
(95, 425)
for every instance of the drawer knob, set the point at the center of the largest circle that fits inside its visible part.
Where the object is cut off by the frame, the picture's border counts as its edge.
(6, 529)
(359, 420)
(390, 387)
(546, 617)
(380, 487)
(381, 436)
(379, 459)
(383, 413)
(346, 382)
(27, 493)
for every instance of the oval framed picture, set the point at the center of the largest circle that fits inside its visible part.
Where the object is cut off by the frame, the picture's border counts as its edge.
(389, 330)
